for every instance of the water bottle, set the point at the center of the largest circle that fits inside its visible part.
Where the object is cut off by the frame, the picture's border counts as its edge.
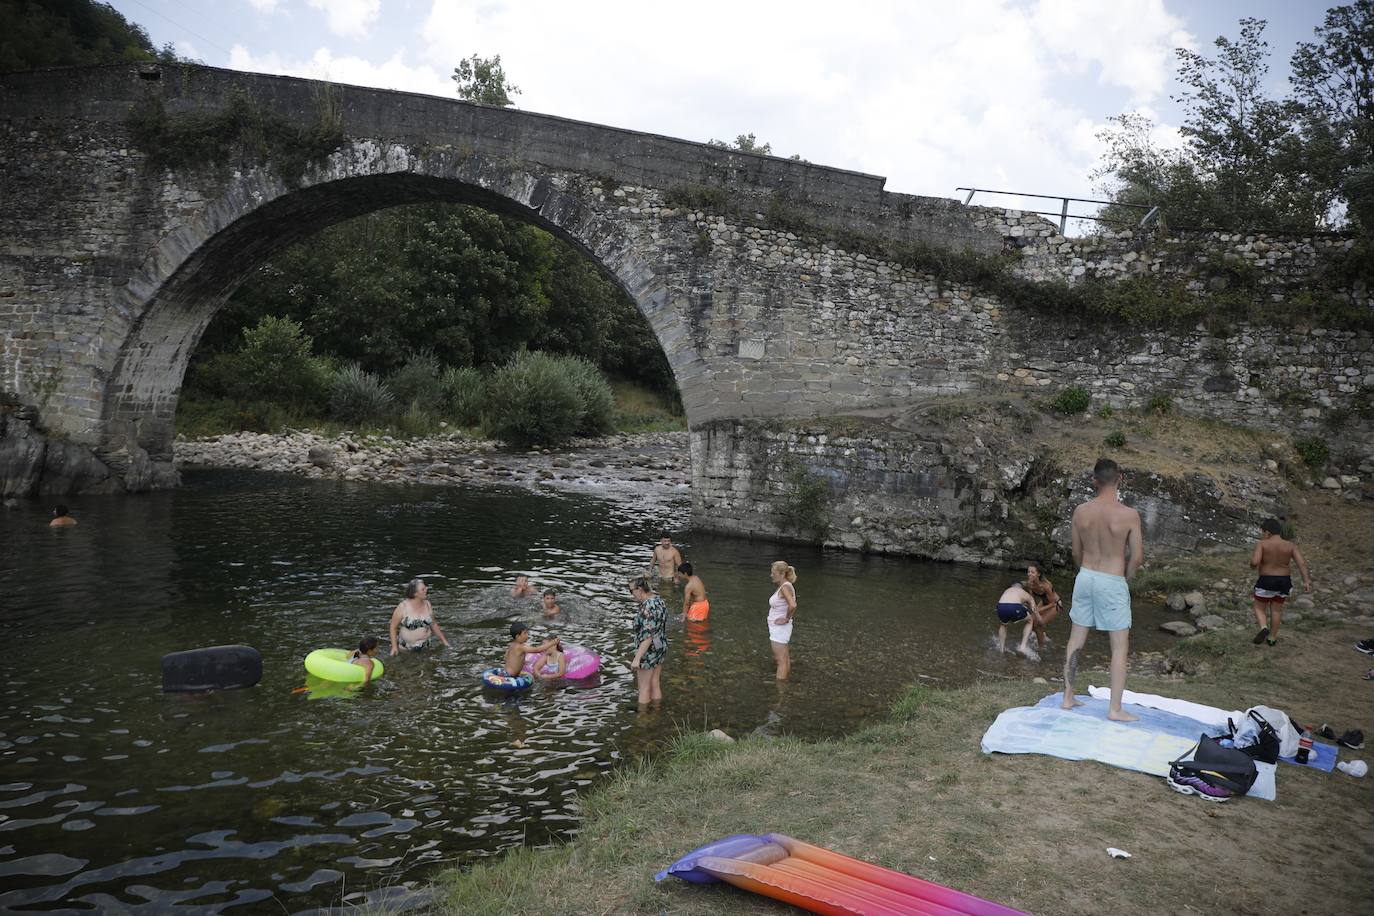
(1304, 746)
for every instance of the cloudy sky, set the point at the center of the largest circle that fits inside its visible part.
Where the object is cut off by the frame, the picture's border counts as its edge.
(931, 95)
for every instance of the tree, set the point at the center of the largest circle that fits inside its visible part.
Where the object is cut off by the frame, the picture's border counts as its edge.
(70, 33)
(1333, 91)
(482, 79)
(1247, 160)
(745, 143)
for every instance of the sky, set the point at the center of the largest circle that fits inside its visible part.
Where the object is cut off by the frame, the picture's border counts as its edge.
(1001, 94)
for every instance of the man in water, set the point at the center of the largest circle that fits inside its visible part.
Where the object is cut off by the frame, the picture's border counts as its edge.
(522, 587)
(1273, 558)
(61, 517)
(1104, 531)
(666, 559)
(550, 600)
(694, 604)
(1047, 603)
(1016, 604)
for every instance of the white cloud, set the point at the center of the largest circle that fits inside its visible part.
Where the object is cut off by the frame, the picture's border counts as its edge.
(393, 73)
(979, 92)
(265, 6)
(991, 93)
(351, 18)
(1132, 42)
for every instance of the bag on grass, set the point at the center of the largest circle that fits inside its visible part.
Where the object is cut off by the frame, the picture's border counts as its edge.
(1223, 767)
(1256, 738)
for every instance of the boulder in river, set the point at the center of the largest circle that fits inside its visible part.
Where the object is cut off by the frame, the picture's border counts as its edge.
(1179, 628)
(322, 456)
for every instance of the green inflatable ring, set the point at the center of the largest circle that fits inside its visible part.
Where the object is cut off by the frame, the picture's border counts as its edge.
(333, 665)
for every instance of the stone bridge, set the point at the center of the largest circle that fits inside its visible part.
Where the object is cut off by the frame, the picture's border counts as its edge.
(778, 289)
(113, 265)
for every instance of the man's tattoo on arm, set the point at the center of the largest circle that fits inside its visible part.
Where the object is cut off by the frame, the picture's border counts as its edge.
(1071, 666)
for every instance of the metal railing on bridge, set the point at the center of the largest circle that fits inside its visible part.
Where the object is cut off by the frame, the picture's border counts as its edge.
(1151, 212)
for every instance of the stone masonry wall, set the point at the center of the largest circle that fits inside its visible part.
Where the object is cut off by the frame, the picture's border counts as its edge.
(111, 269)
(958, 489)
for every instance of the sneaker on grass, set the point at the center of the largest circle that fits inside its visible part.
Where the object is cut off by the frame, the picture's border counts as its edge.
(1196, 785)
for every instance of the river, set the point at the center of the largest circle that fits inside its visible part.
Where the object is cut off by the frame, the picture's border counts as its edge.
(116, 796)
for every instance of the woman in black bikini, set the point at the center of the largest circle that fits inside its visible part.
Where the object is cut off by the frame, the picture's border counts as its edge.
(413, 621)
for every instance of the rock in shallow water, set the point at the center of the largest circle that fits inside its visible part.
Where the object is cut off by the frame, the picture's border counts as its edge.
(1178, 628)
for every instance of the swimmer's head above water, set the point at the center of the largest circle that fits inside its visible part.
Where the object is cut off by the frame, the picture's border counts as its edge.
(519, 630)
(685, 568)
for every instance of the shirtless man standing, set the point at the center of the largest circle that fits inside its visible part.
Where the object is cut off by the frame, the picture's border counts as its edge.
(666, 559)
(1103, 531)
(1273, 556)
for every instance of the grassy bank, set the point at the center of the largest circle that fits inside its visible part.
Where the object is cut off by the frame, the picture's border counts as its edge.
(916, 794)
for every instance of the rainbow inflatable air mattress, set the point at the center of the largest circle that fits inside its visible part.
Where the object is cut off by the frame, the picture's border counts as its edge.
(822, 881)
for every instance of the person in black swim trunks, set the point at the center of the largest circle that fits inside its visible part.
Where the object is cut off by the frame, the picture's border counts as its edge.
(1273, 557)
(1016, 604)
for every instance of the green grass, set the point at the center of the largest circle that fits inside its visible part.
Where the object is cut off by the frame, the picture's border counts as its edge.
(916, 794)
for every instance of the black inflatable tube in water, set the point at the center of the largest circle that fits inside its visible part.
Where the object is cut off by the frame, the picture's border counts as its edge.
(212, 668)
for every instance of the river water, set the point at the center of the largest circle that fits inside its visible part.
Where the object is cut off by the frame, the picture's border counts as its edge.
(117, 797)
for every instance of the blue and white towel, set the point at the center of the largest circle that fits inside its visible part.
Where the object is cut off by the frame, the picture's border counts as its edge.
(1085, 733)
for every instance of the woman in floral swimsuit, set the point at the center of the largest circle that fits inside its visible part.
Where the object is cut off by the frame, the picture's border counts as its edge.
(651, 641)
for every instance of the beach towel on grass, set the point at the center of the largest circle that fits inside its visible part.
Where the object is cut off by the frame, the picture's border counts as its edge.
(1085, 733)
(1323, 755)
(1323, 758)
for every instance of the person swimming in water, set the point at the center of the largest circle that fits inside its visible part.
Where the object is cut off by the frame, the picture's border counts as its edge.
(61, 517)
(362, 656)
(1016, 604)
(522, 587)
(550, 603)
(665, 560)
(415, 616)
(695, 607)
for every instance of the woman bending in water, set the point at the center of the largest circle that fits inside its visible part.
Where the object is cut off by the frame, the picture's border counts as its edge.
(413, 621)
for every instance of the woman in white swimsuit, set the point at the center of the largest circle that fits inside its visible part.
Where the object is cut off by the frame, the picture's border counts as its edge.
(782, 607)
(414, 618)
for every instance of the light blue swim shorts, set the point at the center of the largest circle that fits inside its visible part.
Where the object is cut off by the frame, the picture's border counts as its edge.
(1101, 601)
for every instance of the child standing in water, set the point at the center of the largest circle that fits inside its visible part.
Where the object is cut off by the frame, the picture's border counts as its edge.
(362, 656)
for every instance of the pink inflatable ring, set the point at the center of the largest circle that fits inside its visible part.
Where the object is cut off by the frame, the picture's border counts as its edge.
(581, 662)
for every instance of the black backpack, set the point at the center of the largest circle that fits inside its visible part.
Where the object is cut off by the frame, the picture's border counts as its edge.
(1223, 767)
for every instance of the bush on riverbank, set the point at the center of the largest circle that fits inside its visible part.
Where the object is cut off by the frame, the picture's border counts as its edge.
(274, 380)
(916, 794)
(539, 399)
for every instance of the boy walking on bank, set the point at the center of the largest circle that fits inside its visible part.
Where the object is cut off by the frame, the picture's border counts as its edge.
(1273, 558)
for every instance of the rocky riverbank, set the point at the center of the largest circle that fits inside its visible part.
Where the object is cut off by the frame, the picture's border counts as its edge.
(647, 464)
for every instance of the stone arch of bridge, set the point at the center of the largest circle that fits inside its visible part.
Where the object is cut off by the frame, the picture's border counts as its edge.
(195, 268)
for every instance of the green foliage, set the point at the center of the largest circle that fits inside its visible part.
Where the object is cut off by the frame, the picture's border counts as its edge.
(464, 395)
(416, 382)
(698, 197)
(745, 143)
(483, 79)
(1249, 160)
(358, 396)
(1105, 412)
(1159, 402)
(533, 400)
(71, 33)
(1313, 450)
(472, 287)
(1115, 439)
(805, 504)
(594, 392)
(1071, 400)
(274, 362)
(242, 133)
